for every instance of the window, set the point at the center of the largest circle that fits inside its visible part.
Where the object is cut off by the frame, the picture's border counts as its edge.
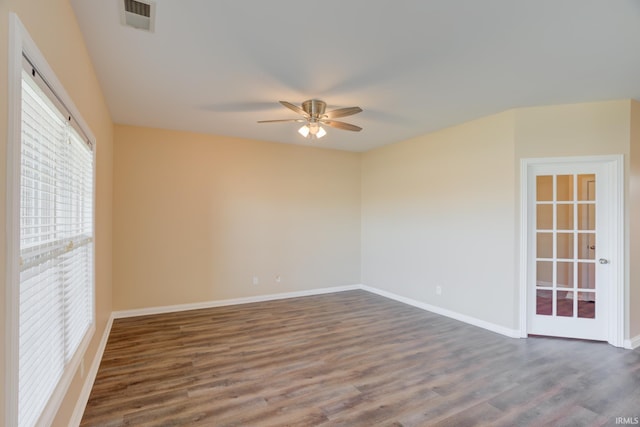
(52, 252)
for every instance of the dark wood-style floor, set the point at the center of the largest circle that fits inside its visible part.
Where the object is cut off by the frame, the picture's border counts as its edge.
(351, 359)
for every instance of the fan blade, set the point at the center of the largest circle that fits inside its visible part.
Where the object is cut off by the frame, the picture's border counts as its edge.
(284, 120)
(342, 112)
(294, 108)
(341, 125)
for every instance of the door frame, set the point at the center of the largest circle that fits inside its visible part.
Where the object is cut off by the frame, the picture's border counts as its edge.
(615, 307)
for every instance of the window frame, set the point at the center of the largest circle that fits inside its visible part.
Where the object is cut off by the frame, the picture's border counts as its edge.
(22, 45)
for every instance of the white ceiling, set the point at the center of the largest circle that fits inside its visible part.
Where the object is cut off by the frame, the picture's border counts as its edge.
(413, 66)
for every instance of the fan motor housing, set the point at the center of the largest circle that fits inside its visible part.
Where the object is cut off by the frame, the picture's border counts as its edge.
(314, 107)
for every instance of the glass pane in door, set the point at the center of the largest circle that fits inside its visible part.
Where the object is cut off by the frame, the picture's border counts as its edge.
(564, 184)
(545, 245)
(544, 303)
(564, 303)
(586, 305)
(565, 245)
(564, 217)
(544, 217)
(586, 246)
(544, 186)
(586, 187)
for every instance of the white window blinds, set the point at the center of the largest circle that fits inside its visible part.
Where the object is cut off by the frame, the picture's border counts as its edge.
(56, 246)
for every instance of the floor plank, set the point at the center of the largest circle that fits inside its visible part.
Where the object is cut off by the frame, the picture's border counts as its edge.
(350, 359)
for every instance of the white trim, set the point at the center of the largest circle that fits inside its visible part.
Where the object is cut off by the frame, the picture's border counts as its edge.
(616, 308)
(20, 42)
(632, 343)
(524, 247)
(85, 393)
(17, 42)
(51, 409)
(233, 301)
(512, 333)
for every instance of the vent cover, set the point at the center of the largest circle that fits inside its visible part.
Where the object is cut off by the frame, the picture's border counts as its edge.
(138, 14)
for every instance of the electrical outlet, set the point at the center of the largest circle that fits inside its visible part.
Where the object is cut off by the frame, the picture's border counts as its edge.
(438, 290)
(256, 280)
(278, 279)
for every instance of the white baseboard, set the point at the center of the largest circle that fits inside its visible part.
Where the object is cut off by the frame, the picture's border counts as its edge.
(632, 343)
(90, 378)
(512, 333)
(233, 301)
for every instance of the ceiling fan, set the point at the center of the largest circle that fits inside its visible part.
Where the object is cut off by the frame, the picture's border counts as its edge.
(314, 115)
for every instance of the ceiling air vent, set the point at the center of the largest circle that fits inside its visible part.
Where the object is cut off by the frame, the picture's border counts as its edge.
(138, 14)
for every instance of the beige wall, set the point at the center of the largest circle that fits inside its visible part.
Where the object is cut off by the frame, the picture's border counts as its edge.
(633, 300)
(588, 129)
(438, 210)
(443, 209)
(53, 27)
(197, 216)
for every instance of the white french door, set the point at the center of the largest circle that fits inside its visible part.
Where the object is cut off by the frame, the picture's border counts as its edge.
(572, 236)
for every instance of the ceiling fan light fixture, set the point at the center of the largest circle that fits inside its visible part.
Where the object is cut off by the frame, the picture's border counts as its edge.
(304, 131)
(312, 130)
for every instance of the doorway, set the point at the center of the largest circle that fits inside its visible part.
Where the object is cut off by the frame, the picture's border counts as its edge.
(572, 213)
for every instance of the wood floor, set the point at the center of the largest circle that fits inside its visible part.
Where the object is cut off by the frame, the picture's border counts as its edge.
(351, 359)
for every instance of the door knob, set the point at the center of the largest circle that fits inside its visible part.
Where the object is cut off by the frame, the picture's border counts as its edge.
(603, 261)
(592, 247)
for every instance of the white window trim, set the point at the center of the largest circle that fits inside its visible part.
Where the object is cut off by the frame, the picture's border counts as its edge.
(21, 43)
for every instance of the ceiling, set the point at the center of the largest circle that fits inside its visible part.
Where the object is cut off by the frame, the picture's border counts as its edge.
(413, 66)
